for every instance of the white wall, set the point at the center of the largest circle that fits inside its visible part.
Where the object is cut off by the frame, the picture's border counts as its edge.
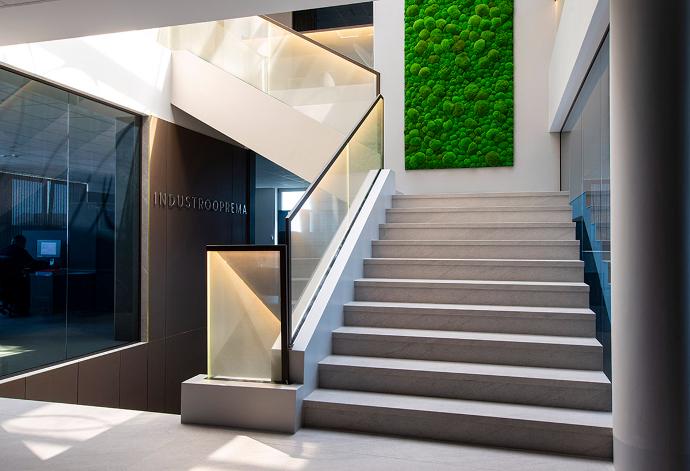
(129, 69)
(536, 150)
(581, 29)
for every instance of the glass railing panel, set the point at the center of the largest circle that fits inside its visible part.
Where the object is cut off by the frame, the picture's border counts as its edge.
(319, 223)
(314, 80)
(246, 307)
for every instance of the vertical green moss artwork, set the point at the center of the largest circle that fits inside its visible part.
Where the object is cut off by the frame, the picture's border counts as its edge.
(458, 83)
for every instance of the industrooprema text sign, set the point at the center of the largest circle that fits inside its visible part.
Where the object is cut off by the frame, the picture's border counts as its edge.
(199, 203)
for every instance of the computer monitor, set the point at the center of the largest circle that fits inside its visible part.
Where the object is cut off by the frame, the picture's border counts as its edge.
(47, 248)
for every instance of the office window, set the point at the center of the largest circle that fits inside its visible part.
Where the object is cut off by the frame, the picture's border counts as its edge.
(69, 225)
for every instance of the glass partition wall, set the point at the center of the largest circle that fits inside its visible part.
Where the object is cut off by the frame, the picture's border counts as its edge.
(69, 225)
(585, 173)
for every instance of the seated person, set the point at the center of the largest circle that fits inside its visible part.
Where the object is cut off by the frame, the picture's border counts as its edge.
(15, 264)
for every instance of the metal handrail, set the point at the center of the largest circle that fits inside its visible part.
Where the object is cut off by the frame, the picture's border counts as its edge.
(330, 163)
(305, 197)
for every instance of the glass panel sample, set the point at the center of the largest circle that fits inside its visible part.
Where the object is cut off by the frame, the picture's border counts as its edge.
(318, 227)
(69, 225)
(244, 314)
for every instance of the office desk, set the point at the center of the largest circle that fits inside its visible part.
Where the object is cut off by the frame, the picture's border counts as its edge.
(48, 290)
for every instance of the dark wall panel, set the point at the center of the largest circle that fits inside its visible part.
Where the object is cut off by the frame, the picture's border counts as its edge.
(188, 164)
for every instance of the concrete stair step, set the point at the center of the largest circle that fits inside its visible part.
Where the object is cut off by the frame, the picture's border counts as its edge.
(549, 429)
(574, 322)
(549, 387)
(475, 269)
(478, 231)
(505, 293)
(461, 200)
(582, 353)
(480, 215)
(482, 249)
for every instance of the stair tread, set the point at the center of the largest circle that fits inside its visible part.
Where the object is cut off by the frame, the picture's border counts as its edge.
(555, 417)
(471, 307)
(438, 335)
(476, 225)
(474, 242)
(472, 209)
(474, 261)
(483, 195)
(408, 366)
(489, 284)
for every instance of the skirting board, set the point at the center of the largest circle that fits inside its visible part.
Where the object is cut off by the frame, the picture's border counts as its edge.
(240, 404)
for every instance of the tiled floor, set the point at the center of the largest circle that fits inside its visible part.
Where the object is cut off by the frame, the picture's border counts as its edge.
(36, 435)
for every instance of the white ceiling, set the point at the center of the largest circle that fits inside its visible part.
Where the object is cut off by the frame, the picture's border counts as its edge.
(23, 21)
(42, 128)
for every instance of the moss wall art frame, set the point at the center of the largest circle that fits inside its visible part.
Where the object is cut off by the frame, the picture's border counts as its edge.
(458, 83)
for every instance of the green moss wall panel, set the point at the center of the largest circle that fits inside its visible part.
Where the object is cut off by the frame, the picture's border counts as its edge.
(458, 83)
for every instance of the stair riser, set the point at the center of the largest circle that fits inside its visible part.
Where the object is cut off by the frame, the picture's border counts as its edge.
(480, 202)
(487, 431)
(471, 351)
(460, 217)
(472, 323)
(474, 272)
(535, 252)
(468, 295)
(477, 233)
(547, 393)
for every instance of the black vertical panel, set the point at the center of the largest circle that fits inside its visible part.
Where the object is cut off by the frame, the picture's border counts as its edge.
(343, 16)
(188, 164)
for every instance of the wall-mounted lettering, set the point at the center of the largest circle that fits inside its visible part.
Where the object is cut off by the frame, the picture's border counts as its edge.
(199, 203)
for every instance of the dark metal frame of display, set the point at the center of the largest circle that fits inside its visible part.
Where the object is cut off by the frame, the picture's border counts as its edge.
(285, 317)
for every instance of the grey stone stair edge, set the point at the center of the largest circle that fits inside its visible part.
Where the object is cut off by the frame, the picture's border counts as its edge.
(445, 336)
(489, 209)
(486, 195)
(478, 225)
(495, 242)
(498, 373)
(473, 309)
(474, 284)
(501, 262)
(552, 417)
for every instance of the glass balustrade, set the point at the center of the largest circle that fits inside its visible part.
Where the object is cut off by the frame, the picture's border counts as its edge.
(247, 312)
(288, 66)
(319, 223)
(585, 173)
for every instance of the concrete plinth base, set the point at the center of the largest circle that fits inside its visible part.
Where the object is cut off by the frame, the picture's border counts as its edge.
(240, 404)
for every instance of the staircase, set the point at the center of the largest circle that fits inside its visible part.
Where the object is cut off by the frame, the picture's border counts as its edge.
(471, 324)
